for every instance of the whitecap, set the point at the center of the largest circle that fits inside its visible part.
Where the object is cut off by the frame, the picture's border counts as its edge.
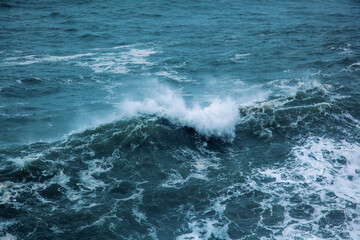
(218, 118)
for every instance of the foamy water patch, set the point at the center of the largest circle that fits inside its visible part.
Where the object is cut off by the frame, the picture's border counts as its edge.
(326, 165)
(290, 87)
(240, 57)
(89, 182)
(200, 167)
(8, 236)
(173, 75)
(206, 229)
(319, 189)
(22, 161)
(32, 59)
(352, 67)
(120, 61)
(115, 60)
(218, 118)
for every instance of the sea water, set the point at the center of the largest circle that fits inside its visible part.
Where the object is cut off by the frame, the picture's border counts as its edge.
(180, 119)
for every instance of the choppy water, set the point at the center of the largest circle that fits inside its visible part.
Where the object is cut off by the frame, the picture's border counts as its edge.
(180, 119)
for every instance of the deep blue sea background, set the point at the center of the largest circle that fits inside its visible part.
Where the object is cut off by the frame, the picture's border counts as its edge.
(180, 119)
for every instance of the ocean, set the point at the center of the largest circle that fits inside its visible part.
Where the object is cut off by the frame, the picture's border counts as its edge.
(180, 119)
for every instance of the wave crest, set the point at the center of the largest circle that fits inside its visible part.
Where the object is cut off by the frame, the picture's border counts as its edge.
(217, 119)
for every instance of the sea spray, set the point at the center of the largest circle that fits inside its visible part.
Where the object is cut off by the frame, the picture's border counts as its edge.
(217, 119)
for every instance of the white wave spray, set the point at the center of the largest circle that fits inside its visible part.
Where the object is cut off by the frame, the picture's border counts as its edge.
(218, 118)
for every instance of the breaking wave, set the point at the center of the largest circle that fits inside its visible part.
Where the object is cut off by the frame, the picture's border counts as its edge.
(218, 118)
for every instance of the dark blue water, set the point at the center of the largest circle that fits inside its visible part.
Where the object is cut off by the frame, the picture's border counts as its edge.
(180, 119)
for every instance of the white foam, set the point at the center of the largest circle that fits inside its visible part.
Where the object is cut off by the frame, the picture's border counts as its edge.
(218, 118)
(239, 58)
(8, 236)
(199, 170)
(354, 64)
(89, 182)
(206, 229)
(125, 46)
(32, 59)
(319, 167)
(65, 58)
(139, 53)
(100, 62)
(119, 62)
(21, 161)
(173, 75)
(289, 87)
(10, 191)
(106, 64)
(242, 55)
(139, 216)
(321, 159)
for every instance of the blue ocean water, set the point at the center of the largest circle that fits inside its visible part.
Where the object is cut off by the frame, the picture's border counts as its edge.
(180, 119)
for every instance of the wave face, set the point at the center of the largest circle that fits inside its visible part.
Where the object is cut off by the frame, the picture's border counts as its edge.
(182, 120)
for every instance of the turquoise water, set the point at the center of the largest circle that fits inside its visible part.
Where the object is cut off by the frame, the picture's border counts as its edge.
(179, 120)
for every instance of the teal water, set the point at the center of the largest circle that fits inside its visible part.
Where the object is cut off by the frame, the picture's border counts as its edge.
(179, 120)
